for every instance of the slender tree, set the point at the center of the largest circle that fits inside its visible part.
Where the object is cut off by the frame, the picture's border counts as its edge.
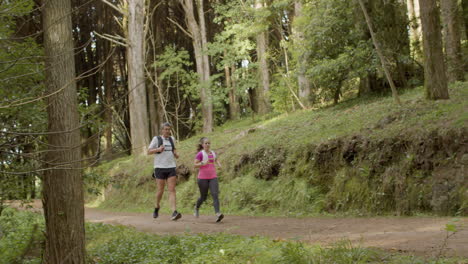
(139, 127)
(108, 80)
(464, 7)
(380, 54)
(435, 80)
(452, 37)
(263, 90)
(198, 34)
(62, 183)
(415, 26)
(303, 81)
(234, 108)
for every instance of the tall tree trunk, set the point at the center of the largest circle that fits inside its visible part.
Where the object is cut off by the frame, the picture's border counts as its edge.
(155, 42)
(198, 35)
(435, 80)
(415, 27)
(465, 16)
(139, 129)
(263, 90)
(452, 41)
(63, 184)
(208, 118)
(303, 81)
(108, 81)
(234, 109)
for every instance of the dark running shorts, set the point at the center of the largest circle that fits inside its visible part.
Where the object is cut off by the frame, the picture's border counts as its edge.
(164, 173)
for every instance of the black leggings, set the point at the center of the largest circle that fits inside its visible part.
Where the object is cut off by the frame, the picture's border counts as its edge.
(204, 185)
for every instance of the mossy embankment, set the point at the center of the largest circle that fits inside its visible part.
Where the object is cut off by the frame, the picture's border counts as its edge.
(364, 156)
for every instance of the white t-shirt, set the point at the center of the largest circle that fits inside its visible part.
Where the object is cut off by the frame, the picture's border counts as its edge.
(166, 158)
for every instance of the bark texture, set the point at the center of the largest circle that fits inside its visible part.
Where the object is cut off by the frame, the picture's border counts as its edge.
(263, 90)
(234, 108)
(199, 40)
(139, 123)
(452, 41)
(435, 80)
(303, 81)
(108, 82)
(62, 183)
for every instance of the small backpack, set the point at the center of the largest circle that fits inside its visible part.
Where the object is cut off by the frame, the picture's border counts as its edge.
(160, 142)
(205, 156)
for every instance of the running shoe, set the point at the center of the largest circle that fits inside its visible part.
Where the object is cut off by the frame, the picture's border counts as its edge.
(219, 217)
(156, 212)
(175, 215)
(196, 212)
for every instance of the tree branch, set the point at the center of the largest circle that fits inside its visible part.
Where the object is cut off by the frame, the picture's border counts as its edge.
(180, 27)
(111, 38)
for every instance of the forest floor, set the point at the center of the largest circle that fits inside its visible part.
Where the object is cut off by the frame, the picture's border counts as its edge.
(423, 236)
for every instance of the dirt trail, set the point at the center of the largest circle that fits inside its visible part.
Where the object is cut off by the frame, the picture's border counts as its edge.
(422, 236)
(414, 235)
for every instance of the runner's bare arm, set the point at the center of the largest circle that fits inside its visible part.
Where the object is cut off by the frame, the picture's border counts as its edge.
(198, 163)
(155, 150)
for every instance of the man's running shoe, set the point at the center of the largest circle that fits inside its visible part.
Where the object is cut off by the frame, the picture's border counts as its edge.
(175, 215)
(156, 213)
(196, 212)
(219, 217)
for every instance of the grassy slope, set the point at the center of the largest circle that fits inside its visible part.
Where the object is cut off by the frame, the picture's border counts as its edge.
(241, 192)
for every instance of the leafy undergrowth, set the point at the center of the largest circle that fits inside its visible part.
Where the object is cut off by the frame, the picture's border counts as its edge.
(118, 244)
(20, 236)
(365, 156)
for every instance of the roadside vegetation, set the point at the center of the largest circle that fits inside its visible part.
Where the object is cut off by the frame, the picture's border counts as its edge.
(22, 238)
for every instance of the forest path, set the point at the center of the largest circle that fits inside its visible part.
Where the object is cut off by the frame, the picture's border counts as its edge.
(414, 235)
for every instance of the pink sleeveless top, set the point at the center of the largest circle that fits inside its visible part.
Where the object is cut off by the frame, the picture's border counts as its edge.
(207, 171)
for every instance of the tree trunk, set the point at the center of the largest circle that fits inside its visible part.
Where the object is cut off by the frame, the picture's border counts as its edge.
(263, 90)
(415, 27)
(152, 110)
(465, 16)
(208, 117)
(139, 129)
(234, 110)
(155, 41)
(62, 183)
(452, 41)
(380, 54)
(435, 80)
(303, 81)
(198, 34)
(108, 81)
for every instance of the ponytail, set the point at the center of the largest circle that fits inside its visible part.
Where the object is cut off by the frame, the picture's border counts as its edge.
(200, 143)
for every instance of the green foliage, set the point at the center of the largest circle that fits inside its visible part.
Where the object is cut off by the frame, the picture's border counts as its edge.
(232, 48)
(21, 76)
(19, 236)
(333, 46)
(281, 95)
(174, 65)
